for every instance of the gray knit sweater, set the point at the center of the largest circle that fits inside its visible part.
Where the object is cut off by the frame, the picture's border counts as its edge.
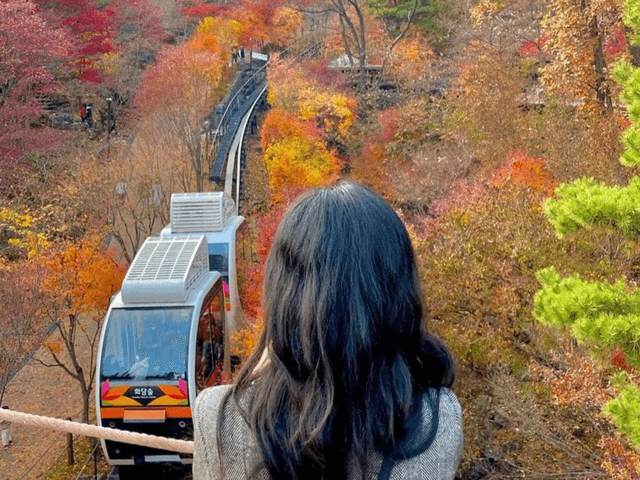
(240, 454)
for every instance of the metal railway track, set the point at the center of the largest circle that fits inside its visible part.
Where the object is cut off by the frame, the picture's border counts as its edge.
(235, 158)
(230, 133)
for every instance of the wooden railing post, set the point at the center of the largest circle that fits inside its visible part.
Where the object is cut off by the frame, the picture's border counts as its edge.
(70, 459)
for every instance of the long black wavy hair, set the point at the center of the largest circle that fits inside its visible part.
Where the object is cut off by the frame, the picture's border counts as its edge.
(347, 341)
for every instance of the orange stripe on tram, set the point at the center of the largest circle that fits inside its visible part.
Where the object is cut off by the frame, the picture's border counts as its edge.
(110, 412)
(178, 412)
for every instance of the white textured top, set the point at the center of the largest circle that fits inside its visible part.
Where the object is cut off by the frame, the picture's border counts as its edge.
(239, 451)
(200, 212)
(166, 269)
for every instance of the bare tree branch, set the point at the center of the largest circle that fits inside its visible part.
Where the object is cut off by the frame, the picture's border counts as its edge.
(410, 17)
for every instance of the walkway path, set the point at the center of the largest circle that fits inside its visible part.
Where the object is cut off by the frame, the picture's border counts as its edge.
(44, 391)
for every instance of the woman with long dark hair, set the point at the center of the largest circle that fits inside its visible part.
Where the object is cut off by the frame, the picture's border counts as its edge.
(346, 382)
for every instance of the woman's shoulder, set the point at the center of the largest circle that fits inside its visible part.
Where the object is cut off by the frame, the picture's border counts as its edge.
(442, 406)
(449, 404)
(440, 445)
(224, 443)
(209, 403)
(212, 396)
(450, 420)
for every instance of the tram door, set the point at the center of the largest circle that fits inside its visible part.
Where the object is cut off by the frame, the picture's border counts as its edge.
(210, 342)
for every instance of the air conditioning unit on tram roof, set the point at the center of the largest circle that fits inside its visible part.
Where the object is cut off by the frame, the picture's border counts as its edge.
(200, 212)
(166, 269)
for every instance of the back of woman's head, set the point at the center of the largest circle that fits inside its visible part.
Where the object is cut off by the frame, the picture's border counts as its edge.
(347, 342)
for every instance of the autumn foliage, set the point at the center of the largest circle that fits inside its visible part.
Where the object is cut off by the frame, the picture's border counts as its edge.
(280, 125)
(257, 22)
(298, 161)
(177, 93)
(77, 285)
(20, 238)
(369, 166)
(93, 32)
(29, 48)
(293, 90)
(252, 274)
(584, 40)
(522, 170)
(180, 75)
(81, 280)
(410, 63)
(532, 48)
(57, 54)
(21, 326)
(306, 120)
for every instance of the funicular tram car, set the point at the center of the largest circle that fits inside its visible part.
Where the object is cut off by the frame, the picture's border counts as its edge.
(166, 334)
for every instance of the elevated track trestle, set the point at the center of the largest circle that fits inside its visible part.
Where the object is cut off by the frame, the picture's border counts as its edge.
(228, 122)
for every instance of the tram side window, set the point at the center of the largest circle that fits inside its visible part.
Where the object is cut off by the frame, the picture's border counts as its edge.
(217, 328)
(244, 253)
(245, 257)
(219, 258)
(209, 345)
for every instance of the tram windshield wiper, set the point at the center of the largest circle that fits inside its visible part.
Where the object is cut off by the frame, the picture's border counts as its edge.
(118, 376)
(165, 376)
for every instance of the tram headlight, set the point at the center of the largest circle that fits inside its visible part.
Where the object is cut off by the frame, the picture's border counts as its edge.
(182, 424)
(112, 424)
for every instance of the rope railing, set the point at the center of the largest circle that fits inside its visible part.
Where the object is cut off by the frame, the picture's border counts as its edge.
(76, 428)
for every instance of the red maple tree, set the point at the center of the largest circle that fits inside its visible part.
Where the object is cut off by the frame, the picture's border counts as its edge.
(30, 49)
(91, 30)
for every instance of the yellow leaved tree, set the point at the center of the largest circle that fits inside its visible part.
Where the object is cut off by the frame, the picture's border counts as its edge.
(298, 161)
(77, 284)
(291, 90)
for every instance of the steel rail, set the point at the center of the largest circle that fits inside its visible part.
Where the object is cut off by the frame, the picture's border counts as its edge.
(234, 156)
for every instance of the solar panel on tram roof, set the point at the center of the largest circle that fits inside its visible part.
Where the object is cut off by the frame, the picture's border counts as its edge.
(166, 269)
(200, 212)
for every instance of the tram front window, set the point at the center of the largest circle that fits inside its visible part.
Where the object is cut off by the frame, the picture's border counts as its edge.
(146, 344)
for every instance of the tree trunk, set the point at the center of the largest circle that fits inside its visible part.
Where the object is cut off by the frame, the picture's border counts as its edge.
(70, 339)
(603, 94)
(362, 48)
(602, 89)
(86, 392)
(197, 161)
(634, 50)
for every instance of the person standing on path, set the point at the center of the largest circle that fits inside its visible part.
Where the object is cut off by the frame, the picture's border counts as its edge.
(6, 432)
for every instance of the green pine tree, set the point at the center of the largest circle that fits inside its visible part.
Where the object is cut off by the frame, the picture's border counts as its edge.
(424, 15)
(608, 315)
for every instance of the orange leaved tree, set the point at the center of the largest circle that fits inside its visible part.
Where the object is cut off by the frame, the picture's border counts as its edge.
(176, 94)
(279, 125)
(579, 37)
(252, 274)
(522, 170)
(77, 284)
(258, 24)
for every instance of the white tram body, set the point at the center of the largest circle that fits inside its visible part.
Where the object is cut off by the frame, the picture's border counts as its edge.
(166, 334)
(213, 214)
